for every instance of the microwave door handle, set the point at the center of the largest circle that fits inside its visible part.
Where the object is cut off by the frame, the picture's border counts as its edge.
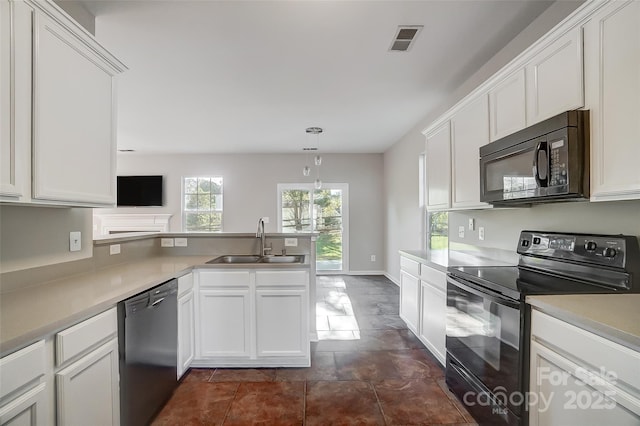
(541, 166)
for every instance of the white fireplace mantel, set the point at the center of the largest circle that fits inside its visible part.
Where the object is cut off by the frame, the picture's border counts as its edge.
(105, 224)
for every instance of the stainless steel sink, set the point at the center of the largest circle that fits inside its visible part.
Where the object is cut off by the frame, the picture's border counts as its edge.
(236, 258)
(249, 258)
(282, 259)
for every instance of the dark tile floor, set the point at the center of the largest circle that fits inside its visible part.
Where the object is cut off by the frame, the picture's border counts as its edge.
(366, 369)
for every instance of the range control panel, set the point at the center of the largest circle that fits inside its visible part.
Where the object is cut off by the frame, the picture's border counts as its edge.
(606, 250)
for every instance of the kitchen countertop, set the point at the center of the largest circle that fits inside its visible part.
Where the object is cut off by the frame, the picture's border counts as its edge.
(31, 313)
(437, 259)
(613, 316)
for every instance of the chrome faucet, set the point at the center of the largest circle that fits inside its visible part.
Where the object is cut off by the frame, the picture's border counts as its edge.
(260, 234)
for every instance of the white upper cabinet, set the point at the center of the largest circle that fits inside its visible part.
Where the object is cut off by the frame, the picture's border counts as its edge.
(469, 131)
(507, 106)
(555, 78)
(15, 100)
(612, 80)
(58, 133)
(438, 164)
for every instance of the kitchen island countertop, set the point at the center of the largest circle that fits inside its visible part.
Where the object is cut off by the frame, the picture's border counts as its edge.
(31, 313)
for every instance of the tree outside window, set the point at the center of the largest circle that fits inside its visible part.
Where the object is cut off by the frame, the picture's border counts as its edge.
(202, 204)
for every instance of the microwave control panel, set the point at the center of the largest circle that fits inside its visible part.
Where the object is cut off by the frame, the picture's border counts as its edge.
(558, 160)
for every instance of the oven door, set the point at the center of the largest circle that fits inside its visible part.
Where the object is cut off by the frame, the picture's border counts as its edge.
(485, 351)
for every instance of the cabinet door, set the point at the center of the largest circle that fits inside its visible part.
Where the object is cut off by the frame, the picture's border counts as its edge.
(15, 99)
(469, 131)
(186, 332)
(410, 300)
(612, 78)
(88, 390)
(281, 322)
(555, 78)
(433, 318)
(566, 394)
(73, 119)
(507, 106)
(438, 152)
(224, 323)
(29, 409)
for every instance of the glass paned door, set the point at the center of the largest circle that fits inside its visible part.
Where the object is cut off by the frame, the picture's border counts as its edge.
(305, 209)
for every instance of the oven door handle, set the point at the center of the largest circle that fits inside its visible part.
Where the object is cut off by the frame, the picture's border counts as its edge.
(486, 294)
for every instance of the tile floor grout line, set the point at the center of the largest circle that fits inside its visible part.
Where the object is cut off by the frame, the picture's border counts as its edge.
(384, 418)
(228, 410)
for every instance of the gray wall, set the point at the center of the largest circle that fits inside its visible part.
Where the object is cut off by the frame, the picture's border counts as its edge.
(503, 226)
(38, 236)
(250, 183)
(404, 225)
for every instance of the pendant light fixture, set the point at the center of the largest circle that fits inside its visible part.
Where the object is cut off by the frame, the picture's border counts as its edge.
(317, 159)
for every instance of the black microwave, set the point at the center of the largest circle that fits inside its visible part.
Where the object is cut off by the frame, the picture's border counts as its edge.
(546, 162)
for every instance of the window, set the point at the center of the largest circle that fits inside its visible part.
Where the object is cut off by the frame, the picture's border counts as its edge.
(437, 231)
(202, 204)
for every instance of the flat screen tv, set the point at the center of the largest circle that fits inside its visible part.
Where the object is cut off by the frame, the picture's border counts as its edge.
(139, 191)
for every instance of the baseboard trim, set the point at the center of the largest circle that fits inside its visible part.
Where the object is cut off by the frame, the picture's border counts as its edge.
(392, 279)
(366, 273)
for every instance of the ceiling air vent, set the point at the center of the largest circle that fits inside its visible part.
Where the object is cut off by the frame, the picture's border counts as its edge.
(404, 37)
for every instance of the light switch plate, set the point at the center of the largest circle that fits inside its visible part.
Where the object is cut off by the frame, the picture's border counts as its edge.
(180, 242)
(481, 233)
(75, 241)
(461, 231)
(472, 224)
(114, 249)
(291, 242)
(166, 242)
(265, 219)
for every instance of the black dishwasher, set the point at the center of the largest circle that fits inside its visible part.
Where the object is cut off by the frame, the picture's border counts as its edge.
(147, 341)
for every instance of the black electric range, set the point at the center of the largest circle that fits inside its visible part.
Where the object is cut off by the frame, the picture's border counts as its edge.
(488, 321)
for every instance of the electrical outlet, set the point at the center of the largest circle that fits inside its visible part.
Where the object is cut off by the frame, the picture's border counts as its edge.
(166, 242)
(75, 241)
(472, 224)
(481, 233)
(291, 242)
(373, 257)
(114, 249)
(180, 242)
(461, 231)
(265, 219)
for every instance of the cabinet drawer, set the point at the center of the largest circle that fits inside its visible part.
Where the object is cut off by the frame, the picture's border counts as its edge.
(185, 284)
(77, 339)
(22, 367)
(212, 278)
(410, 266)
(587, 349)
(434, 277)
(282, 278)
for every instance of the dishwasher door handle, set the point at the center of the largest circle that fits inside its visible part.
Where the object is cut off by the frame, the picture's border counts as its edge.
(157, 302)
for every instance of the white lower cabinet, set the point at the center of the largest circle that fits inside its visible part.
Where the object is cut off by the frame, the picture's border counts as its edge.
(28, 409)
(433, 288)
(224, 323)
(252, 317)
(24, 391)
(88, 389)
(186, 325)
(579, 378)
(423, 304)
(87, 372)
(410, 300)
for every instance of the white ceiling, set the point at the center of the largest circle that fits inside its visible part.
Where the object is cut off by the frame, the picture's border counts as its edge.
(251, 76)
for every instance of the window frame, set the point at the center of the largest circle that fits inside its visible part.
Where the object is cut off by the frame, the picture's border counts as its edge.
(184, 210)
